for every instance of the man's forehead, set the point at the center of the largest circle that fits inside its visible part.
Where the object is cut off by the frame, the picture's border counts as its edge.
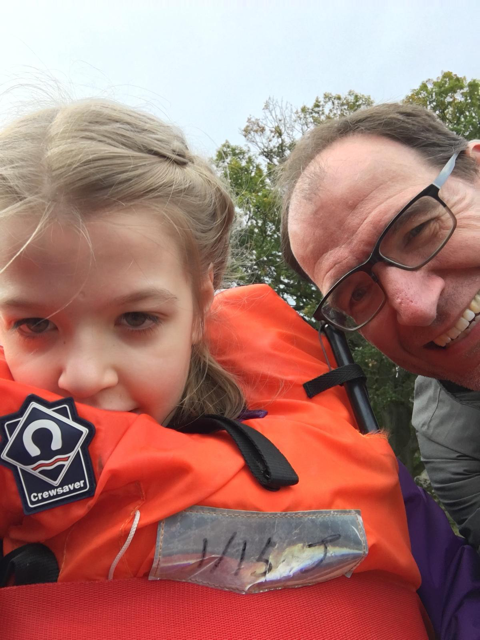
(337, 193)
(364, 161)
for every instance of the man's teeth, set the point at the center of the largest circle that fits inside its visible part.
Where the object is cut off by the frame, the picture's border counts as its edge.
(468, 320)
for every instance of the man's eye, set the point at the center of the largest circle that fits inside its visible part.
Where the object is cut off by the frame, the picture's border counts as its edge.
(424, 233)
(138, 320)
(416, 231)
(35, 326)
(358, 294)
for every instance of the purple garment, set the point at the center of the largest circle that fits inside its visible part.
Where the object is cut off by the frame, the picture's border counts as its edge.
(252, 414)
(450, 568)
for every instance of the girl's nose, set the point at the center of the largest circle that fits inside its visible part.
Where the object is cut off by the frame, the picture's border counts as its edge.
(85, 373)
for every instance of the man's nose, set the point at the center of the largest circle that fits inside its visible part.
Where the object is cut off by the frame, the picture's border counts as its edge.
(86, 370)
(414, 295)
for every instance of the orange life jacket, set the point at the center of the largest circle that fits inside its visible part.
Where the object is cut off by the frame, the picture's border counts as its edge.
(142, 467)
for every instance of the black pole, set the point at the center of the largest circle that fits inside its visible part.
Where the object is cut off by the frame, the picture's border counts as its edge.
(356, 389)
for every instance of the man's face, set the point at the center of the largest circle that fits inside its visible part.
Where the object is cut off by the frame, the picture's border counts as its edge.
(339, 208)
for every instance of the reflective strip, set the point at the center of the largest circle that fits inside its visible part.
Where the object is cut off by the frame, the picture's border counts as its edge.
(250, 551)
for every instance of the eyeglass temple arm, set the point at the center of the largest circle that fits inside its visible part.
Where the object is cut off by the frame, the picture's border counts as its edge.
(356, 389)
(446, 171)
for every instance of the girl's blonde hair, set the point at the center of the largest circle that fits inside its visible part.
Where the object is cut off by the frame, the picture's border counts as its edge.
(93, 157)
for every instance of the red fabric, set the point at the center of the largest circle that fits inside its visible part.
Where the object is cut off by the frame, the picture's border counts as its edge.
(363, 607)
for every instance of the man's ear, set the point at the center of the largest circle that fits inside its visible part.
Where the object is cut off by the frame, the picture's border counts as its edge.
(473, 150)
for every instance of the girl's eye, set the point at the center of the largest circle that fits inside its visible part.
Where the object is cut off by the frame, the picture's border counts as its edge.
(138, 321)
(33, 326)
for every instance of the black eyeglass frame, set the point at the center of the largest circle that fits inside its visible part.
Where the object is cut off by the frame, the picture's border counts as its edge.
(432, 191)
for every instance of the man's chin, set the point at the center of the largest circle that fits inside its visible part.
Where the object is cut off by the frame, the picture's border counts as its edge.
(469, 378)
(461, 366)
(470, 381)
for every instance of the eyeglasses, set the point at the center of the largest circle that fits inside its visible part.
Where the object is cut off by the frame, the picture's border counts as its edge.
(409, 241)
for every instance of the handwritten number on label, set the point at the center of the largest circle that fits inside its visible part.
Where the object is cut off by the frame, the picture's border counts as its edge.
(242, 558)
(217, 562)
(325, 542)
(266, 561)
(264, 555)
(204, 551)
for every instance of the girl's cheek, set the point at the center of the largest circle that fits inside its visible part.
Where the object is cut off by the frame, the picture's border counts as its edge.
(27, 369)
(3, 331)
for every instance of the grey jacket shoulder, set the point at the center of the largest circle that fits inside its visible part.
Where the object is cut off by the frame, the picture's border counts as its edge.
(447, 420)
(448, 414)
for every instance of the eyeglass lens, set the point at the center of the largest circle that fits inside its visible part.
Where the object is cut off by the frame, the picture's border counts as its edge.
(418, 233)
(421, 230)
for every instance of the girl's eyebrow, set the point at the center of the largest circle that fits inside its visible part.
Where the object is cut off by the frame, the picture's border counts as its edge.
(16, 302)
(159, 295)
(154, 293)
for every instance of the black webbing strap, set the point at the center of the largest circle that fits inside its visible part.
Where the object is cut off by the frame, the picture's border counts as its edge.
(267, 464)
(336, 376)
(29, 564)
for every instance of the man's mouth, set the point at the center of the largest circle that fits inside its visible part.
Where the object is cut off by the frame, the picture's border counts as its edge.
(469, 319)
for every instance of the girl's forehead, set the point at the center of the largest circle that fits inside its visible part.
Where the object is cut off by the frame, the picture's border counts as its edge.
(114, 251)
(68, 242)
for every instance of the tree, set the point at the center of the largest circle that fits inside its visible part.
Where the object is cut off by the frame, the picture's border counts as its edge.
(281, 125)
(257, 238)
(455, 101)
(250, 170)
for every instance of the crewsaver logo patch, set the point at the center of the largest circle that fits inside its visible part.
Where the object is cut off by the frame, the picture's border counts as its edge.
(46, 446)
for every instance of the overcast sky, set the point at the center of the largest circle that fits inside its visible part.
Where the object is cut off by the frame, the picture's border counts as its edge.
(208, 65)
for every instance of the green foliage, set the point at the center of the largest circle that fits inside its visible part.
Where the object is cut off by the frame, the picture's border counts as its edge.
(391, 395)
(454, 100)
(392, 384)
(257, 239)
(250, 171)
(281, 125)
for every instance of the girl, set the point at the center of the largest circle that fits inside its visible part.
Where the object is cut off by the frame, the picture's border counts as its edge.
(114, 238)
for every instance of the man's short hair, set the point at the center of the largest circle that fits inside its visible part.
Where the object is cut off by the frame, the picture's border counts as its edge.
(411, 125)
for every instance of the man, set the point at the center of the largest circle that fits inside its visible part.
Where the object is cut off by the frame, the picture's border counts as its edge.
(382, 213)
